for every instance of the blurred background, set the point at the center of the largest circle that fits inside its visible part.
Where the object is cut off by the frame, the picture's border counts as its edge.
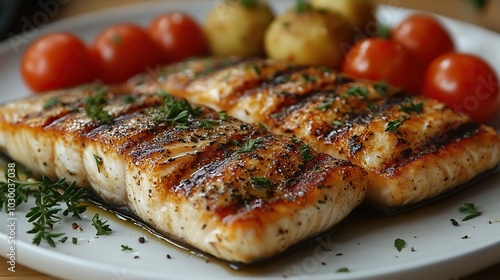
(21, 15)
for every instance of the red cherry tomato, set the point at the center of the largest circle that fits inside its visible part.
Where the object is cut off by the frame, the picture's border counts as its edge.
(425, 36)
(385, 60)
(178, 36)
(57, 60)
(466, 83)
(121, 51)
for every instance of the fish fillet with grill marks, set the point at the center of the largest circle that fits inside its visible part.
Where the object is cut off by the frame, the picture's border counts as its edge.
(222, 186)
(413, 148)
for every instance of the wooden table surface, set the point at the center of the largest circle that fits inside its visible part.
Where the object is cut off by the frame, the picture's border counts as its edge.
(459, 9)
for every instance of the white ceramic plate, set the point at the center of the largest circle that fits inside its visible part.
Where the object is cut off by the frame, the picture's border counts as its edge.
(364, 244)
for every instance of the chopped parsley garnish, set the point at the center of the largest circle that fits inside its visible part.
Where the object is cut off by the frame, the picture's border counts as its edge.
(51, 102)
(394, 125)
(94, 107)
(126, 248)
(399, 244)
(343, 269)
(74, 240)
(469, 209)
(101, 226)
(411, 108)
(250, 145)
(262, 126)
(260, 183)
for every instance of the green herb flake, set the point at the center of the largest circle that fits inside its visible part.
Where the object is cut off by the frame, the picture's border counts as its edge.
(223, 115)
(94, 106)
(394, 125)
(250, 145)
(305, 152)
(257, 69)
(303, 6)
(326, 104)
(262, 126)
(308, 78)
(51, 102)
(74, 240)
(260, 183)
(101, 226)
(411, 108)
(129, 99)
(381, 87)
(399, 244)
(343, 270)
(98, 162)
(337, 123)
(126, 248)
(469, 209)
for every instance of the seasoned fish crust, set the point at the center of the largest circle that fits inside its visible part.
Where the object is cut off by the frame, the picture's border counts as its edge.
(412, 147)
(222, 186)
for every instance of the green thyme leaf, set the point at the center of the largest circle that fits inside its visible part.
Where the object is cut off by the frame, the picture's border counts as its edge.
(381, 87)
(98, 162)
(126, 248)
(394, 125)
(326, 104)
(260, 183)
(250, 145)
(411, 108)
(51, 102)
(129, 99)
(305, 152)
(223, 115)
(469, 209)
(399, 244)
(94, 107)
(342, 270)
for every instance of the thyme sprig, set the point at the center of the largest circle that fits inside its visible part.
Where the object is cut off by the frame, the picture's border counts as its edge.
(48, 198)
(101, 226)
(51, 199)
(180, 114)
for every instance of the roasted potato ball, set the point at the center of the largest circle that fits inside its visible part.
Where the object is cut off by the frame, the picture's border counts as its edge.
(236, 27)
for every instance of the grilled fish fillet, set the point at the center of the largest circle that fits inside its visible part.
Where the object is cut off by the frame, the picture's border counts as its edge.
(413, 148)
(222, 186)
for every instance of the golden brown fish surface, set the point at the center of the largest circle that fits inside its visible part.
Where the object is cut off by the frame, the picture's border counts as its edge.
(220, 185)
(413, 148)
